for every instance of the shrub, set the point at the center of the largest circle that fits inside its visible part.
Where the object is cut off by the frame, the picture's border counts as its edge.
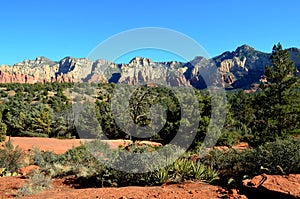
(180, 171)
(3, 129)
(280, 157)
(37, 183)
(10, 157)
(285, 154)
(80, 162)
(185, 169)
(77, 161)
(229, 139)
(43, 159)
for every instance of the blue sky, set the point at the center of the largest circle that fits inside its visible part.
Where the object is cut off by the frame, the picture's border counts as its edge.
(59, 28)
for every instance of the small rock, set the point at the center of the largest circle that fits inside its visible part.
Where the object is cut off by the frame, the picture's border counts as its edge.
(28, 170)
(233, 191)
(180, 186)
(222, 191)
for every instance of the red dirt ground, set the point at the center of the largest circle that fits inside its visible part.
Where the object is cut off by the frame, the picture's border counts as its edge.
(44, 144)
(9, 189)
(9, 185)
(60, 146)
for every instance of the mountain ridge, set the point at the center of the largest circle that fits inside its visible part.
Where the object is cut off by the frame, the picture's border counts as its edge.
(240, 68)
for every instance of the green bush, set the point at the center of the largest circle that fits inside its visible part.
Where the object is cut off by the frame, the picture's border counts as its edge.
(180, 171)
(3, 129)
(77, 161)
(184, 169)
(295, 132)
(37, 183)
(177, 171)
(280, 157)
(43, 159)
(10, 157)
(80, 162)
(229, 139)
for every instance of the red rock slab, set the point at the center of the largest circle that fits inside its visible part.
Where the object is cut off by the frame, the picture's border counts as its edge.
(284, 184)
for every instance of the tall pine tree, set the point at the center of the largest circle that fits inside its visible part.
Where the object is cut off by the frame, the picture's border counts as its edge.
(281, 95)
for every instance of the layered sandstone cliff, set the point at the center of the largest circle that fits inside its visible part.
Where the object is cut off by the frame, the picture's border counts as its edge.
(241, 68)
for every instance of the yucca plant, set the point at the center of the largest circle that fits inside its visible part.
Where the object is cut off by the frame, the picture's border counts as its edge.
(162, 175)
(198, 170)
(183, 167)
(210, 175)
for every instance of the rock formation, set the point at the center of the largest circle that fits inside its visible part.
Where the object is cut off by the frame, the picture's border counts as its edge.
(274, 186)
(144, 71)
(241, 68)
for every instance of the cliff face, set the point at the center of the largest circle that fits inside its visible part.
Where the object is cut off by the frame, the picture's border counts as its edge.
(29, 71)
(238, 69)
(242, 67)
(145, 71)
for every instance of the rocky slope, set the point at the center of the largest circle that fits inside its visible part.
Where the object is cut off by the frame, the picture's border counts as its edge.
(238, 69)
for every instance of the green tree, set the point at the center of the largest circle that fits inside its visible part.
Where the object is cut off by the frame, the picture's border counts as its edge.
(16, 116)
(42, 119)
(63, 124)
(3, 129)
(281, 97)
(86, 120)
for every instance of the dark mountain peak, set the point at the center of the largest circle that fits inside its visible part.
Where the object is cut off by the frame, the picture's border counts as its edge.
(67, 58)
(241, 51)
(225, 55)
(42, 59)
(197, 61)
(245, 51)
(295, 56)
(140, 61)
(198, 58)
(244, 47)
(293, 49)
